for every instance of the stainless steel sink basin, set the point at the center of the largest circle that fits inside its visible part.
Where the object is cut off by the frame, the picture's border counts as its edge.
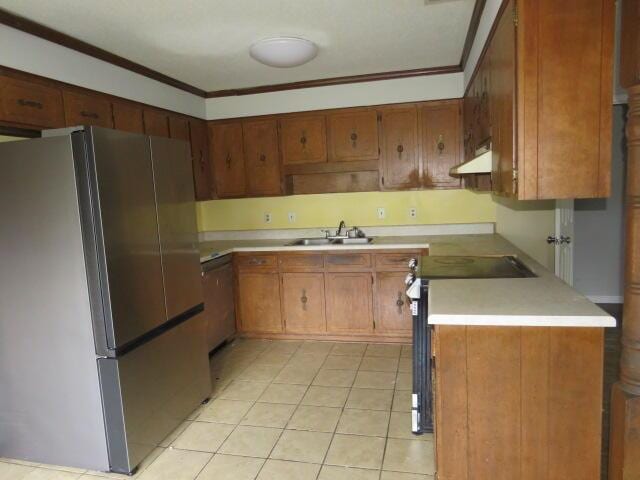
(352, 241)
(311, 241)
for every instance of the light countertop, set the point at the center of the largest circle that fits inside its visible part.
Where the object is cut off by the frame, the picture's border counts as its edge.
(544, 300)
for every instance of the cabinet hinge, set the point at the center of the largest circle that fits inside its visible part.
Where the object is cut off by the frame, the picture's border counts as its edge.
(382, 181)
(515, 16)
(515, 180)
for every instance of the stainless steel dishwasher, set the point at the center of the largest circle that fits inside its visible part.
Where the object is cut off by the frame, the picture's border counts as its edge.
(219, 305)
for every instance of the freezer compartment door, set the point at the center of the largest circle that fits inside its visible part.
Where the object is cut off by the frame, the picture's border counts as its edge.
(173, 175)
(149, 391)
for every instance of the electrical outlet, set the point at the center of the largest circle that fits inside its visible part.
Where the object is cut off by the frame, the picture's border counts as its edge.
(292, 217)
(413, 212)
(381, 213)
(267, 218)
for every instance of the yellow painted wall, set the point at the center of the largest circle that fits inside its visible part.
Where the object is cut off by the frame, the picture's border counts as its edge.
(360, 209)
(4, 138)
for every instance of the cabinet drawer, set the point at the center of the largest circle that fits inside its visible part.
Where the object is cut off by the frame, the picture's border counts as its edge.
(80, 109)
(348, 261)
(30, 103)
(301, 263)
(257, 262)
(390, 262)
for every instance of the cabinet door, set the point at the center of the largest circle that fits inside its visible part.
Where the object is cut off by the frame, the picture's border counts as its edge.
(200, 155)
(217, 285)
(127, 117)
(393, 313)
(349, 302)
(81, 109)
(259, 302)
(261, 157)
(400, 148)
(227, 158)
(156, 122)
(303, 139)
(441, 143)
(179, 128)
(303, 302)
(353, 135)
(30, 104)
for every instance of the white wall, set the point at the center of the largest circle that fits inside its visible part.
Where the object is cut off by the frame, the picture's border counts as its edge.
(32, 54)
(599, 230)
(527, 224)
(430, 87)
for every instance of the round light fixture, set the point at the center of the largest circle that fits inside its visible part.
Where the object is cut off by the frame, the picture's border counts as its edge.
(283, 52)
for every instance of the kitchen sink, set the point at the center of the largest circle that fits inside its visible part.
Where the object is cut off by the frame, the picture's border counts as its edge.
(352, 241)
(311, 241)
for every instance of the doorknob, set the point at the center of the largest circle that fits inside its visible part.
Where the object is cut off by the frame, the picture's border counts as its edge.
(552, 239)
(565, 240)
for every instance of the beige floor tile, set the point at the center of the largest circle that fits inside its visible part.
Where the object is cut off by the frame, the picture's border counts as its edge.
(401, 401)
(283, 470)
(356, 451)
(275, 415)
(251, 441)
(197, 411)
(330, 472)
(48, 474)
(410, 456)
(307, 360)
(379, 364)
(317, 419)
(12, 471)
(231, 467)
(174, 464)
(405, 365)
(141, 468)
(325, 396)
(384, 380)
(316, 348)
(300, 446)
(364, 422)
(225, 411)
(370, 399)
(407, 351)
(342, 362)
(203, 436)
(349, 349)
(298, 375)
(285, 346)
(243, 390)
(218, 386)
(404, 476)
(260, 373)
(283, 393)
(334, 378)
(400, 427)
(383, 350)
(404, 381)
(175, 434)
(272, 358)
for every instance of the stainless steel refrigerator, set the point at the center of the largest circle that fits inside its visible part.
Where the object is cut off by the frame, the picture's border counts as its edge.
(102, 341)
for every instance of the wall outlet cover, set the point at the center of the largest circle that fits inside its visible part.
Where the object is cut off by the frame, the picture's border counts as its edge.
(292, 217)
(381, 213)
(413, 212)
(267, 218)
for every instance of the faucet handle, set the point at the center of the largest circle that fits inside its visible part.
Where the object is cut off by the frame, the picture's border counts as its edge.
(326, 232)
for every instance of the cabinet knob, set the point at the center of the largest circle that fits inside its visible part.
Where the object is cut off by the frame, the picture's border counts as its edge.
(263, 157)
(413, 264)
(400, 149)
(303, 140)
(354, 139)
(304, 299)
(440, 144)
(228, 160)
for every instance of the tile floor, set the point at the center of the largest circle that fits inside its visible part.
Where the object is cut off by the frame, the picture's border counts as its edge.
(289, 410)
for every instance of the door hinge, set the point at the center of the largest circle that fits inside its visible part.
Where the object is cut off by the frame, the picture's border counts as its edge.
(514, 173)
(515, 16)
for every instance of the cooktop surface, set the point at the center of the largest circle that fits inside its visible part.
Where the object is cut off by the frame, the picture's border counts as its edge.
(473, 267)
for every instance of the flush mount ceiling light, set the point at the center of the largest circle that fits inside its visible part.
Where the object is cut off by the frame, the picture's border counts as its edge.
(283, 52)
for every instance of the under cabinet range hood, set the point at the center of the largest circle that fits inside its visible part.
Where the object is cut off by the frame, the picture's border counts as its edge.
(481, 163)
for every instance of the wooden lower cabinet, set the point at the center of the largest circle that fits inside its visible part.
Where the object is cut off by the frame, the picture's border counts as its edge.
(349, 302)
(303, 302)
(259, 302)
(393, 312)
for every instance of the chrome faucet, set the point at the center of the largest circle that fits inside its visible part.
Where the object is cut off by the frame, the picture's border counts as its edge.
(340, 227)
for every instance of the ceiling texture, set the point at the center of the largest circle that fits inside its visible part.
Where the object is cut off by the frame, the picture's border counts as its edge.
(205, 43)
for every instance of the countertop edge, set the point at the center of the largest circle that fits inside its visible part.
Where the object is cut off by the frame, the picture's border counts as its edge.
(600, 321)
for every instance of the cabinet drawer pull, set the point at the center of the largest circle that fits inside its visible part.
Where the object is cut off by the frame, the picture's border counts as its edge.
(257, 261)
(440, 144)
(400, 149)
(354, 139)
(86, 114)
(400, 302)
(304, 299)
(303, 141)
(228, 161)
(30, 103)
(263, 157)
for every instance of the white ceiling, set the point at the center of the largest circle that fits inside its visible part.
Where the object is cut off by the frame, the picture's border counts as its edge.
(205, 42)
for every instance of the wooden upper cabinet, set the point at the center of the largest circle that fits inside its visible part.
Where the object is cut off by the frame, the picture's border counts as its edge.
(303, 139)
(399, 145)
(179, 128)
(353, 135)
(30, 103)
(349, 302)
(441, 144)
(227, 159)
(156, 122)
(261, 157)
(393, 312)
(200, 157)
(630, 44)
(303, 302)
(127, 117)
(87, 109)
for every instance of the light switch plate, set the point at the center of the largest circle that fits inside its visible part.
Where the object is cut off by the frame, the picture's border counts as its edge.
(381, 213)
(292, 217)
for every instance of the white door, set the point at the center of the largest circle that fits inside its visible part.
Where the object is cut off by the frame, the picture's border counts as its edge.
(563, 240)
